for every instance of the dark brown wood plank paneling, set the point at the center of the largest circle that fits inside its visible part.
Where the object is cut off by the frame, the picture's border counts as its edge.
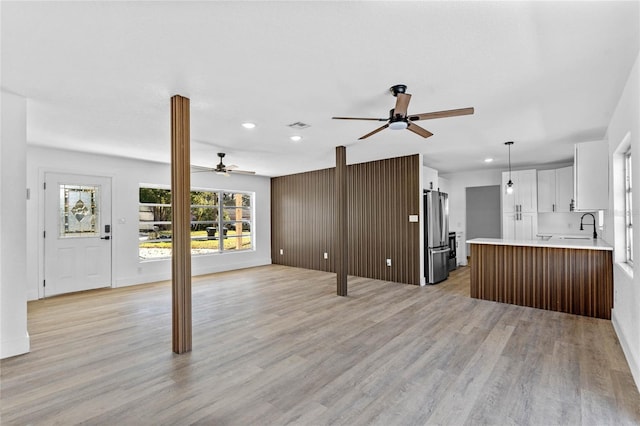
(380, 197)
(302, 224)
(181, 224)
(575, 281)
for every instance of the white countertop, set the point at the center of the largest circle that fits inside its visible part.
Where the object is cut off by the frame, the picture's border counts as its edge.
(589, 244)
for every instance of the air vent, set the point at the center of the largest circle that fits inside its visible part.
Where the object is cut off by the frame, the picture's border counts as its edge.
(299, 125)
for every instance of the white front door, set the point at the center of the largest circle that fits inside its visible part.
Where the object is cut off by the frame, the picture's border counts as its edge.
(77, 239)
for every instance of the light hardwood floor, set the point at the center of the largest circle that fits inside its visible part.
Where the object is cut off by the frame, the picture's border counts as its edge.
(275, 345)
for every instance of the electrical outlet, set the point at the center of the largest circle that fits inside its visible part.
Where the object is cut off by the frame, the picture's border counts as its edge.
(388, 262)
(281, 252)
(326, 255)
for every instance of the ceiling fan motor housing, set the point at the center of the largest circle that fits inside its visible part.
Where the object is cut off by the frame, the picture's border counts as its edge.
(393, 117)
(221, 168)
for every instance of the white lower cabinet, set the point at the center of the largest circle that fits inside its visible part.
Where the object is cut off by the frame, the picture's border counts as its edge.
(519, 226)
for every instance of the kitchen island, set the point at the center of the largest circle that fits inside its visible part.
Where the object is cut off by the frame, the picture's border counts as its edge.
(566, 275)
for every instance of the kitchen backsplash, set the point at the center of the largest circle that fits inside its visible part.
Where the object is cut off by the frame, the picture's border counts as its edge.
(565, 223)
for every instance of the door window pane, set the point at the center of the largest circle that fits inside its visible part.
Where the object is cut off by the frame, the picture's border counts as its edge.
(79, 211)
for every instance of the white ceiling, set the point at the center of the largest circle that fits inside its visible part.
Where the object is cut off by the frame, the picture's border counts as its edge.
(99, 77)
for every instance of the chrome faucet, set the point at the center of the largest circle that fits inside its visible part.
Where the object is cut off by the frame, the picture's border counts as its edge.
(595, 234)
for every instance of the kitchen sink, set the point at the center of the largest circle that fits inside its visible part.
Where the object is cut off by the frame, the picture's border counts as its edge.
(572, 237)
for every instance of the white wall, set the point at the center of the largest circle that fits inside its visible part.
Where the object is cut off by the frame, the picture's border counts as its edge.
(127, 175)
(443, 184)
(626, 301)
(456, 184)
(14, 339)
(429, 178)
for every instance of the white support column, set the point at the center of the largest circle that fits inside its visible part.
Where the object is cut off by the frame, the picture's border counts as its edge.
(14, 337)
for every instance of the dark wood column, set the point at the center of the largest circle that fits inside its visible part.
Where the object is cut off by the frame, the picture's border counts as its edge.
(340, 237)
(181, 224)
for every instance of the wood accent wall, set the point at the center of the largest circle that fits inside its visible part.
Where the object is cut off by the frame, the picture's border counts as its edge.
(575, 281)
(381, 196)
(302, 220)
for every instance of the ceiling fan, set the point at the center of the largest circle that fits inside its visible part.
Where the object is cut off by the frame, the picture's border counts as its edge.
(221, 169)
(399, 119)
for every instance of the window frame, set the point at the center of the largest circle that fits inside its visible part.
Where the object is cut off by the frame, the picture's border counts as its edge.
(628, 207)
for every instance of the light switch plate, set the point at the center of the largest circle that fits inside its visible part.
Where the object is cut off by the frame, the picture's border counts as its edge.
(413, 218)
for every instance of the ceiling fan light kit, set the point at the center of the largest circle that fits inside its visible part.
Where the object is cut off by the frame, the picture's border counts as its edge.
(398, 125)
(399, 119)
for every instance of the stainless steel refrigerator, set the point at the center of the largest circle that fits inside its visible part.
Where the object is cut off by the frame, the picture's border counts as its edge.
(436, 239)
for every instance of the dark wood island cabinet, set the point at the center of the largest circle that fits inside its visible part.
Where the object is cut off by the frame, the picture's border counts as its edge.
(572, 276)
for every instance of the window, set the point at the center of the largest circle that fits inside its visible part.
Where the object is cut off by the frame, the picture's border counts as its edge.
(628, 207)
(220, 221)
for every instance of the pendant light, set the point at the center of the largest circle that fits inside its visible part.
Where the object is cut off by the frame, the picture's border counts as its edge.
(509, 187)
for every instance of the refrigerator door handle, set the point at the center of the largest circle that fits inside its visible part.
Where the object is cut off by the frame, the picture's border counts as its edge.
(443, 231)
(445, 250)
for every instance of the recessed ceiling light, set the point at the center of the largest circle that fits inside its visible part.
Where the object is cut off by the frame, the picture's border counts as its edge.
(296, 138)
(488, 160)
(248, 125)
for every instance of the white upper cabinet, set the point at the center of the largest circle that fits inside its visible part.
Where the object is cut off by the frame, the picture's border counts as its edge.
(525, 195)
(564, 189)
(546, 190)
(591, 176)
(555, 190)
(528, 191)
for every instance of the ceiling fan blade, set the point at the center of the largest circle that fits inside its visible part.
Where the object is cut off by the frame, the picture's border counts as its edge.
(200, 169)
(374, 132)
(402, 103)
(419, 130)
(356, 118)
(241, 172)
(441, 114)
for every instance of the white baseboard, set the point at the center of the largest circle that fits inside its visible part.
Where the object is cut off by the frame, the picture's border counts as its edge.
(151, 278)
(632, 359)
(13, 347)
(231, 267)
